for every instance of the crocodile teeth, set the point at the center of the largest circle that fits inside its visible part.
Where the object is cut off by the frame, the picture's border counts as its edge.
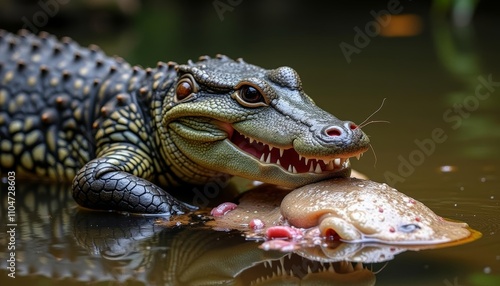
(358, 156)
(289, 159)
(318, 169)
(359, 266)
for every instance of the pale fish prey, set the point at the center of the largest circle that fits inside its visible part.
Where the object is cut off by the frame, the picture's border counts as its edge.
(348, 210)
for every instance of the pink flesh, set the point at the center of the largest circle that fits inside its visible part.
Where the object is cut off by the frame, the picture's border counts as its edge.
(283, 232)
(278, 244)
(256, 224)
(223, 209)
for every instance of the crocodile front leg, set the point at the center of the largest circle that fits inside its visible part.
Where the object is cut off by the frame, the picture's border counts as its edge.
(107, 183)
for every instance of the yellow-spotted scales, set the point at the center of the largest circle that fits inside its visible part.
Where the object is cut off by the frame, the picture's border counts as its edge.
(126, 135)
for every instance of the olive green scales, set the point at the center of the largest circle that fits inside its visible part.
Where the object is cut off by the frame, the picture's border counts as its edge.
(126, 135)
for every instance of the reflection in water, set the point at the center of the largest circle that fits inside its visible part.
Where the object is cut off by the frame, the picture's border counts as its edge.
(59, 241)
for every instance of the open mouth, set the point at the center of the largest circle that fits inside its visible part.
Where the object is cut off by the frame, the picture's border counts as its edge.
(331, 235)
(288, 159)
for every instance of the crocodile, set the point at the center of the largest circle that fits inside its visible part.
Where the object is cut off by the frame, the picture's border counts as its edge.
(128, 136)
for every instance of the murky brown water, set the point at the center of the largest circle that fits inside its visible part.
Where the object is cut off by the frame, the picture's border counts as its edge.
(441, 146)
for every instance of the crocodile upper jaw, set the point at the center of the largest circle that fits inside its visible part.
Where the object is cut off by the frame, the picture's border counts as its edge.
(287, 157)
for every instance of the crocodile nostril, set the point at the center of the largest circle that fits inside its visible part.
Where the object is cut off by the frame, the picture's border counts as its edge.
(333, 131)
(352, 125)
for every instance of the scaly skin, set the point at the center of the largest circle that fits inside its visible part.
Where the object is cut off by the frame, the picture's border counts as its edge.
(123, 134)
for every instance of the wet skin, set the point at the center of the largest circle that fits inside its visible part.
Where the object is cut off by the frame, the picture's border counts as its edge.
(349, 210)
(130, 137)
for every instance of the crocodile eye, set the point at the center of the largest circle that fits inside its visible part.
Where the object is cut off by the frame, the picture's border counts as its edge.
(186, 86)
(249, 96)
(408, 227)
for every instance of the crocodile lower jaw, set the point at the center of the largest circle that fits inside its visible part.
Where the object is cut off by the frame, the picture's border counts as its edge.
(288, 158)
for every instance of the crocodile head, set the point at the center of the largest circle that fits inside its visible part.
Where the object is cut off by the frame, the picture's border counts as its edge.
(233, 117)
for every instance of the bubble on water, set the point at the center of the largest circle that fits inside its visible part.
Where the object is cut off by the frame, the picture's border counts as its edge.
(448, 169)
(487, 270)
(455, 205)
(462, 188)
(483, 179)
(445, 169)
(492, 197)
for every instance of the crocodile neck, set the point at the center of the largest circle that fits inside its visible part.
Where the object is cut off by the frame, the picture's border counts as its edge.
(174, 167)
